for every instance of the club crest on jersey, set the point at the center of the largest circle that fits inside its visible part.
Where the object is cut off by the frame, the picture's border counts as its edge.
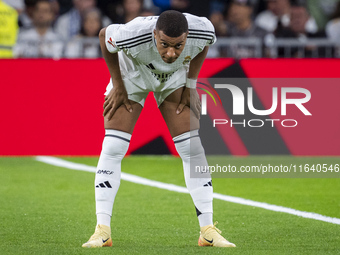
(187, 59)
(111, 42)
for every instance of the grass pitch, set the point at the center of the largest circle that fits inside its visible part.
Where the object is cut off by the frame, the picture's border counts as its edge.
(50, 210)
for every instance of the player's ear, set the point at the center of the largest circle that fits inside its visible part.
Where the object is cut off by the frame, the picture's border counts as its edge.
(186, 34)
(154, 33)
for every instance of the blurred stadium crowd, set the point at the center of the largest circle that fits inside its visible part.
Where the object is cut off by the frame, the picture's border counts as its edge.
(245, 28)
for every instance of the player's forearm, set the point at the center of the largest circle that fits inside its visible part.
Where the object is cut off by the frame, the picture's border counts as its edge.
(111, 60)
(196, 64)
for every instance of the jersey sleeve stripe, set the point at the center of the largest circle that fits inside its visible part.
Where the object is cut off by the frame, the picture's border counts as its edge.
(129, 43)
(134, 38)
(204, 31)
(197, 37)
(134, 45)
(205, 35)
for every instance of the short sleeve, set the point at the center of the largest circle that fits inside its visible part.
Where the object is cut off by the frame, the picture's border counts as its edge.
(201, 30)
(210, 29)
(127, 37)
(111, 38)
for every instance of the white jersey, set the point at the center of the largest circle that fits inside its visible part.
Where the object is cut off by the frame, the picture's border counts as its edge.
(140, 62)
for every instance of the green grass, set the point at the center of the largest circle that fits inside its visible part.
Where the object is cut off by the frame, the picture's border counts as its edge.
(50, 210)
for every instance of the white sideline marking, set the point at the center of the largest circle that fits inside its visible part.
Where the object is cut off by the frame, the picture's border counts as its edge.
(140, 180)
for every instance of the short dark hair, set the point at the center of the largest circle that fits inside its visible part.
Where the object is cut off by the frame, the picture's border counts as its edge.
(172, 23)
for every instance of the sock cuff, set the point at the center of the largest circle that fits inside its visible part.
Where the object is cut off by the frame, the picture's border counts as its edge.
(185, 136)
(118, 134)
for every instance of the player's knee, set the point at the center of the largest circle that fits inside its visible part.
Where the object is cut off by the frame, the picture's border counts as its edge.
(114, 149)
(115, 146)
(189, 145)
(196, 148)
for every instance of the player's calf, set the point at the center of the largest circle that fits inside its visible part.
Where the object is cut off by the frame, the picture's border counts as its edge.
(115, 146)
(190, 149)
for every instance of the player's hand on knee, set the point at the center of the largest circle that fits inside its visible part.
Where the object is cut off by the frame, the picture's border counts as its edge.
(191, 99)
(116, 97)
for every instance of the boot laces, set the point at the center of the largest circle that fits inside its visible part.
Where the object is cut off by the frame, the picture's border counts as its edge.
(97, 234)
(214, 227)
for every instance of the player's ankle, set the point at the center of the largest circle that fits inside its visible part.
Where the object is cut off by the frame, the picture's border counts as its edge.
(205, 219)
(103, 219)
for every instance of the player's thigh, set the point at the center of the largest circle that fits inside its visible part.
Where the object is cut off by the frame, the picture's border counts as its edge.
(178, 123)
(122, 119)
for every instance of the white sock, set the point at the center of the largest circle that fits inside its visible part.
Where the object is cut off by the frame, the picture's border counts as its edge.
(190, 148)
(115, 146)
(205, 219)
(103, 219)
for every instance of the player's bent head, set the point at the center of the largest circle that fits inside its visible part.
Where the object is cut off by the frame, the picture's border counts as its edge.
(172, 23)
(170, 35)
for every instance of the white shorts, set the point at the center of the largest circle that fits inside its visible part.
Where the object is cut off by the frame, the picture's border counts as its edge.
(139, 95)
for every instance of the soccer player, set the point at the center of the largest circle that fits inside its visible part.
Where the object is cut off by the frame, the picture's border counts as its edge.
(161, 54)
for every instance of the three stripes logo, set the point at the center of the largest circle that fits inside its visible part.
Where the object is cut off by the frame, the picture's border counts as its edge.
(134, 41)
(104, 185)
(208, 184)
(202, 35)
